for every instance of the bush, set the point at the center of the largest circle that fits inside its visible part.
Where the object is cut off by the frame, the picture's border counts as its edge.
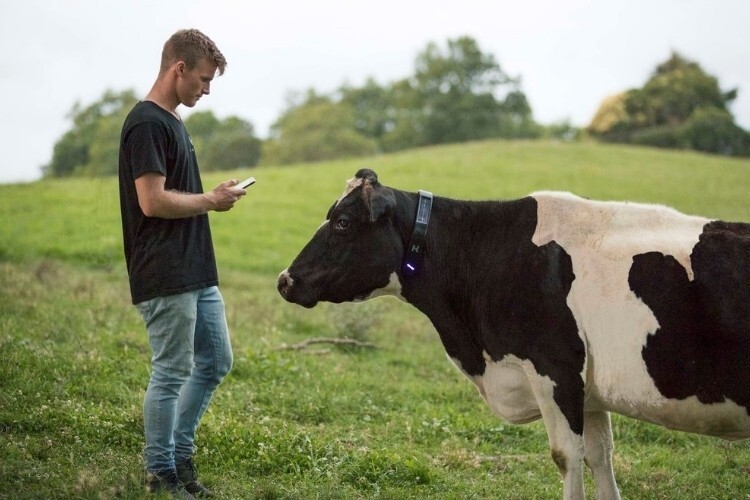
(713, 131)
(231, 150)
(660, 137)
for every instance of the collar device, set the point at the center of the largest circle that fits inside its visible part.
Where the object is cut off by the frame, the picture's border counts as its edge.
(418, 241)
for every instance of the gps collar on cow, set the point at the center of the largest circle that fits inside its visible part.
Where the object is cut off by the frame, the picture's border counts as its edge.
(418, 241)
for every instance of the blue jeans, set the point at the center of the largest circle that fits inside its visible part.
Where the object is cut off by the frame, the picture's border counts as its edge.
(191, 354)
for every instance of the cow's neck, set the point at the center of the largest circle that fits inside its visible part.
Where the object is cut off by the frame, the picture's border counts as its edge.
(464, 240)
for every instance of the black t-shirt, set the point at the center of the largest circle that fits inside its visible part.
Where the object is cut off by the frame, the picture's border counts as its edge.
(163, 256)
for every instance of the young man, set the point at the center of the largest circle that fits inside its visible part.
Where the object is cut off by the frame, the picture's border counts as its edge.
(170, 260)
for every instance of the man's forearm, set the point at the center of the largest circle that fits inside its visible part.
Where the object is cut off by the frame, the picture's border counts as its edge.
(155, 201)
(177, 205)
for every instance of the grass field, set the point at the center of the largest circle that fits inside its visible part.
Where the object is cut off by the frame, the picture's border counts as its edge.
(396, 421)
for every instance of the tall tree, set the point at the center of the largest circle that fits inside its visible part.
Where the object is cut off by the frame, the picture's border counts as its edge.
(455, 94)
(463, 94)
(676, 89)
(680, 106)
(372, 106)
(91, 146)
(201, 125)
(223, 144)
(313, 128)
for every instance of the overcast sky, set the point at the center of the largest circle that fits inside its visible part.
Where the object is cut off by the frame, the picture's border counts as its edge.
(570, 54)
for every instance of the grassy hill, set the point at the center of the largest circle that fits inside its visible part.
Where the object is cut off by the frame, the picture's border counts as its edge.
(397, 421)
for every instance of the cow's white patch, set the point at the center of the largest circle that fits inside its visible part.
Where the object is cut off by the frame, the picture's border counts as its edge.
(351, 185)
(392, 288)
(615, 230)
(506, 387)
(725, 420)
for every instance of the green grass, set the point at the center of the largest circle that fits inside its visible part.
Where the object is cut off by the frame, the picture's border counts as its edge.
(396, 422)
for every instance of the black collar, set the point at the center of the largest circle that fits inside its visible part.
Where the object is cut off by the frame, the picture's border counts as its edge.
(418, 242)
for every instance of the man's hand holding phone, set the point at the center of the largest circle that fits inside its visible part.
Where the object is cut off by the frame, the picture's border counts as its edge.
(226, 194)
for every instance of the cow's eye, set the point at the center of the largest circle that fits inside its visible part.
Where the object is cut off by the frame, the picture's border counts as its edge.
(342, 223)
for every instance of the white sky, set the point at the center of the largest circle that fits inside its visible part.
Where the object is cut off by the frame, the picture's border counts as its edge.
(570, 54)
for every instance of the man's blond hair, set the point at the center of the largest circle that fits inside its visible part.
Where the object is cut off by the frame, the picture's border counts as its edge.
(191, 46)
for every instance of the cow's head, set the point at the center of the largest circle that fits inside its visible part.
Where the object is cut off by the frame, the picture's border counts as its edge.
(354, 254)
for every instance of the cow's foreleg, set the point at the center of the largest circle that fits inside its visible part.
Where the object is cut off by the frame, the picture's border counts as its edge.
(567, 452)
(567, 446)
(597, 435)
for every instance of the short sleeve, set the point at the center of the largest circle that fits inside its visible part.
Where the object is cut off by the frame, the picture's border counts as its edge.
(145, 147)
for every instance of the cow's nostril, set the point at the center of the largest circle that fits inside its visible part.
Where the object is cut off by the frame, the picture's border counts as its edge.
(284, 284)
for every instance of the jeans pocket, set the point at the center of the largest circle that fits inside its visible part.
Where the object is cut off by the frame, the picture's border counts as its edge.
(144, 308)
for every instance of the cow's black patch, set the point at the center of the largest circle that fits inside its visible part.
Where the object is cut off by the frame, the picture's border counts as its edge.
(702, 345)
(500, 293)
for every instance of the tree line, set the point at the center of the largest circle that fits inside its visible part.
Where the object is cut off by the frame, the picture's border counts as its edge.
(457, 93)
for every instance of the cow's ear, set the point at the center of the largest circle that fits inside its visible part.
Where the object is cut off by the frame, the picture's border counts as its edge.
(379, 200)
(367, 174)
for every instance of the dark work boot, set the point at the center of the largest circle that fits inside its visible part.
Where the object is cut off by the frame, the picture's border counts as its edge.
(188, 476)
(167, 482)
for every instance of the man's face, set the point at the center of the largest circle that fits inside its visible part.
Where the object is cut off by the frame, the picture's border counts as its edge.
(194, 83)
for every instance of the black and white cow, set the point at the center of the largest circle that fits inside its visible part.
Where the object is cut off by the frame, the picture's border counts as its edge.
(556, 307)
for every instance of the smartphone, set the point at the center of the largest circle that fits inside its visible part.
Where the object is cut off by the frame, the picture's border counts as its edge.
(246, 183)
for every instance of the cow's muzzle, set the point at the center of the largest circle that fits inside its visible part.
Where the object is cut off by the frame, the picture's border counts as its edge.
(284, 286)
(292, 290)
